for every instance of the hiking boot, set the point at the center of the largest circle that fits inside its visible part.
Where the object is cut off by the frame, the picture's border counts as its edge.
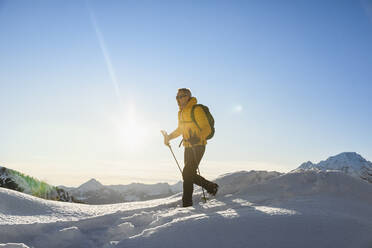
(212, 189)
(186, 204)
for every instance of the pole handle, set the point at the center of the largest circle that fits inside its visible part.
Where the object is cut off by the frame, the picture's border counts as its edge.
(164, 133)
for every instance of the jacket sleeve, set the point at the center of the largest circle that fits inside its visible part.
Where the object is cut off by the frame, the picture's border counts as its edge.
(176, 132)
(202, 120)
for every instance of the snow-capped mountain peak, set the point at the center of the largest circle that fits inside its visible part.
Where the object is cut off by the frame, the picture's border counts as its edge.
(91, 185)
(349, 162)
(306, 165)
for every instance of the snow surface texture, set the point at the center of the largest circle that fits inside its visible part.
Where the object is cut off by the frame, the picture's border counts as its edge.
(252, 209)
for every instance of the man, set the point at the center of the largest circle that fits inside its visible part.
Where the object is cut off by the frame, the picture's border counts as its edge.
(194, 141)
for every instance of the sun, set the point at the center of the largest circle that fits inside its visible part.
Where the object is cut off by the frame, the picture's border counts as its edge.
(132, 131)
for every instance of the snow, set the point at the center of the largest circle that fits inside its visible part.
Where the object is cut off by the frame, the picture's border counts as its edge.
(14, 245)
(252, 209)
(178, 187)
(348, 162)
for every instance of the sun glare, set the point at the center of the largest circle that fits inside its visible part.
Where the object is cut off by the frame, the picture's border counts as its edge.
(132, 132)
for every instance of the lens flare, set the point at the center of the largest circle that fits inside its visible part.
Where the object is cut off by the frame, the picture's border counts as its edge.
(132, 130)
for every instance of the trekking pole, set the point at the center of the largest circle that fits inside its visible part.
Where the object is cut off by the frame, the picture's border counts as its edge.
(179, 167)
(175, 158)
(193, 150)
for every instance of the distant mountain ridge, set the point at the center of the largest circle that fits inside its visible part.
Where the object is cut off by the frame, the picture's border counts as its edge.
(93, 192)
(350, 163)
(90, 192)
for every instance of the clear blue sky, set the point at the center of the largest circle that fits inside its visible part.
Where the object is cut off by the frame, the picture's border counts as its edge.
(86, 86)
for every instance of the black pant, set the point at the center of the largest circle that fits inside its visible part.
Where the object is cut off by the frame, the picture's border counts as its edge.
(190, 175)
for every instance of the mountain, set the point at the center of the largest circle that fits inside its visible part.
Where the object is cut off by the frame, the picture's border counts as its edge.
(90, 185)
(93, 192)
(306, 208)
(350, 163)
(18, 181)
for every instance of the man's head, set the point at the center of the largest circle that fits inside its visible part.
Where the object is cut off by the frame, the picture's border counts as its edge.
(183, 97)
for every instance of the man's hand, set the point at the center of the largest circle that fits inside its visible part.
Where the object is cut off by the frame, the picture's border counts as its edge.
(166, 137)
(166, 140)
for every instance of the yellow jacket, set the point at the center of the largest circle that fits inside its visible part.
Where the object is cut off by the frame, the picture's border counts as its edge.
(187, 126)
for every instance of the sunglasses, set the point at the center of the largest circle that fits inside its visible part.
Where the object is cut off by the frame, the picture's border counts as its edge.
(180, 96)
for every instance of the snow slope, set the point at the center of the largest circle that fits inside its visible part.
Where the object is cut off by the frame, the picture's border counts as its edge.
(252, 209)
(15, 180)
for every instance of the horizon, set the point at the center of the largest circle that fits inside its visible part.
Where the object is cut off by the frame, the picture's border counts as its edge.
(86, 86)
(172, 182)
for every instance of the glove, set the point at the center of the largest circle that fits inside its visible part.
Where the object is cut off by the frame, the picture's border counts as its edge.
(193, 138)
(166, 138)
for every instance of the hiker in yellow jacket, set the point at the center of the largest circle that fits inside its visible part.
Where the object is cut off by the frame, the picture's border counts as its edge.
(194, 141)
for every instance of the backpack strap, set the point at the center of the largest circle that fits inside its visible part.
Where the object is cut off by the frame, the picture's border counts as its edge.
(193, 114)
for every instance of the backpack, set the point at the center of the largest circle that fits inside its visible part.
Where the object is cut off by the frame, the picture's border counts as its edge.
(209, 117)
